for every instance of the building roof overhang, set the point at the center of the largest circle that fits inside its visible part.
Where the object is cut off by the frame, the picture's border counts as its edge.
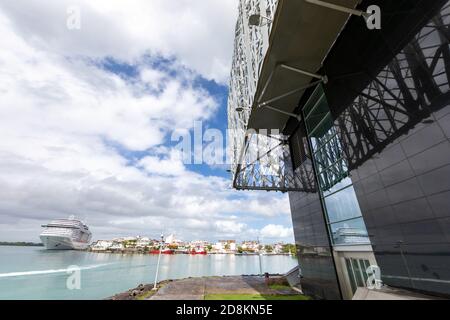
(302, 35)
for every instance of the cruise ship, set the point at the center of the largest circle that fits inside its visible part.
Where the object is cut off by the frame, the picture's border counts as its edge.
(66, 234)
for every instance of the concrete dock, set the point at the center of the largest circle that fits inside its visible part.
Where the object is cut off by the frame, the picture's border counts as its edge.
(203, 287)
(198, 288)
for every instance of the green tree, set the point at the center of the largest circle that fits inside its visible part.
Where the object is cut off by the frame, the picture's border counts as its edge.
(290, 248)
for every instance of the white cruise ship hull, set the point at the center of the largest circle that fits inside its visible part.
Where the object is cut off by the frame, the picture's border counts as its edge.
(61, 243)
(66, 234)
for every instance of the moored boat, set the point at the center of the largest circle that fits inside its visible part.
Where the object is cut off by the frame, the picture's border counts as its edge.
(163, 251)
(198, 251)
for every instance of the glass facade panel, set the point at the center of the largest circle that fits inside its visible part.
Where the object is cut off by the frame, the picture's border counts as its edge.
(342, 205)
(315, 96)
(366, 264)
(338, 186)
(336, 190)
(363, 269)
(313, 245)
(351, 275)
(350, 232)
(357, 272)
(319, 120)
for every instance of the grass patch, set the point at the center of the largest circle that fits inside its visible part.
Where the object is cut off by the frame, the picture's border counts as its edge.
(255, 297)
(279, 287)
(145, 295)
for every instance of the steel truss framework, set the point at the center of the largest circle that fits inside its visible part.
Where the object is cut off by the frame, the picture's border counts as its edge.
(250, 46)
(406, 92)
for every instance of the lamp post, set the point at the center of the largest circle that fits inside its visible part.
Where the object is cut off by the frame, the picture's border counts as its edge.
(157, 265)
(399, 245)
(259, 257)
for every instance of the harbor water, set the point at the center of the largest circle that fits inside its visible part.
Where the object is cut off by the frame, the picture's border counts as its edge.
(36, 273)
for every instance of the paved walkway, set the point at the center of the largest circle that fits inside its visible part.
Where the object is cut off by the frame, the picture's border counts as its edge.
(388, 293)
(197, 288)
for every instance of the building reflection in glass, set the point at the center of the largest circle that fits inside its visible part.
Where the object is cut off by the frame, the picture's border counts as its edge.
(341, 205)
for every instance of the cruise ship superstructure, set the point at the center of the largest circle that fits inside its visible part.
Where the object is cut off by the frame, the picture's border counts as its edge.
(66, 234)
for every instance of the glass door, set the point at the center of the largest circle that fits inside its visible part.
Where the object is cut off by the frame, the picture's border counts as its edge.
(356, 270)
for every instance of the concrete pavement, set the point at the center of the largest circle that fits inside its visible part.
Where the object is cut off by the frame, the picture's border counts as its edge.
(197, 288)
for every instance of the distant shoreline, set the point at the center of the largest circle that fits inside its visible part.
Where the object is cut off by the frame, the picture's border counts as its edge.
(21, 244)
(134, 251)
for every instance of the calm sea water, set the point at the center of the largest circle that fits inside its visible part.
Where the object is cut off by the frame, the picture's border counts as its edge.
(35, 273)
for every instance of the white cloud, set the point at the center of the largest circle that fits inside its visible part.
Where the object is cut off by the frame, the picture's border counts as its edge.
(276, 231)
(70, 128)
(231, 227)
(48, 92)
(155, 79)
(198, 33)
(170, 166)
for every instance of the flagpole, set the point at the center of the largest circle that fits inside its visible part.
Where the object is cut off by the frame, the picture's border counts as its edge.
(259, 256)
(157, 265)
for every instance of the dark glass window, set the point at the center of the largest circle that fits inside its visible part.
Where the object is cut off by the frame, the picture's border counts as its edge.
(349, 232)
(351, 275)
(299, 148)
(341, 204)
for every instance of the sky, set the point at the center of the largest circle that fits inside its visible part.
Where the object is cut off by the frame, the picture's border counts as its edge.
(88, 109)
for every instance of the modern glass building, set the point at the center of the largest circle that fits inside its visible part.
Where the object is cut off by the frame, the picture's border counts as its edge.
(354, 123)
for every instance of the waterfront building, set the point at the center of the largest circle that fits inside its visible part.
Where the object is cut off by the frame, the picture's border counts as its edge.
(117, 246)
(218, 247)
(225, 246)
(252, 246)
(101, 245)
(143, 242)
(278, 247)
(353, 122)
(198, 244)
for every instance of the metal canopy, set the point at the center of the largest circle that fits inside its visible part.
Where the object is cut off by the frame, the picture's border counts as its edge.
(371, 109)
(301, 36)
(272, 66)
